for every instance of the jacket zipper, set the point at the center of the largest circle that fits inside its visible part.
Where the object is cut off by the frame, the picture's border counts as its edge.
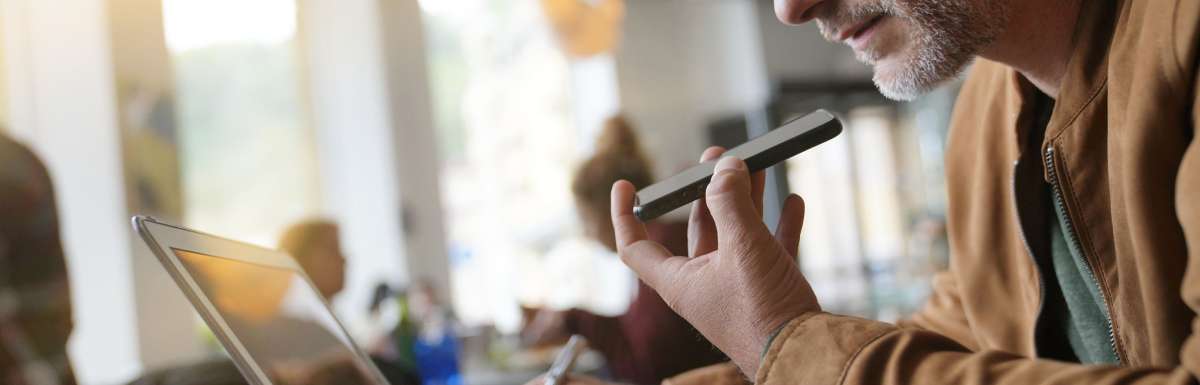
(1073, 239)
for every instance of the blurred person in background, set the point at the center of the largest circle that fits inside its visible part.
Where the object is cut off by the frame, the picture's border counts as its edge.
(35, 301)
(649, 342)
(317, 247)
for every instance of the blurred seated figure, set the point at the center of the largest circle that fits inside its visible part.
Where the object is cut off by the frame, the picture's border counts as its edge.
(317, 247)
(648, 343)
(35, 298)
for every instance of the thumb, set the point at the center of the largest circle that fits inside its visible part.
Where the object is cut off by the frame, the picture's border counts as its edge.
(650, 260)
(733, 209)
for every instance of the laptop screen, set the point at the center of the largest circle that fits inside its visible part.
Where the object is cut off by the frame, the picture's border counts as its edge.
(279, 319)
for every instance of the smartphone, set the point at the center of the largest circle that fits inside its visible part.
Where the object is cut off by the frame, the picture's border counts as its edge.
(565, 360)
(776, 146)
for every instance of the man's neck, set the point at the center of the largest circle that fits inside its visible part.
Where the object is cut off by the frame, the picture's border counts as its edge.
(1038, 41)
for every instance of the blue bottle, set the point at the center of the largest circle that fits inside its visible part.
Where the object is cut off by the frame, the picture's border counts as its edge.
(436, 351)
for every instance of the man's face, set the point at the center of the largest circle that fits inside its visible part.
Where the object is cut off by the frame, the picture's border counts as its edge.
(914, 45)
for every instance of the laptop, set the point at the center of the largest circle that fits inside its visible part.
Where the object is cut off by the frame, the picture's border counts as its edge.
(262, 308)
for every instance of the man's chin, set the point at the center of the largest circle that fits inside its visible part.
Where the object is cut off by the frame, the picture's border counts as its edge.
(904, 78)
(896, 82)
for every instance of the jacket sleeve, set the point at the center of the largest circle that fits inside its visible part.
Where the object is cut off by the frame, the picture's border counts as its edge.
(943, 312)
(720, 374)
(822, 348)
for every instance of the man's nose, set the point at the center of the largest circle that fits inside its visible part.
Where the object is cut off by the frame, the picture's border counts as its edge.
(796, 11)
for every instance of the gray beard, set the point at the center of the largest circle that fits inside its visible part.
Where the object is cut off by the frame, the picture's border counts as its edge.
(948, 35)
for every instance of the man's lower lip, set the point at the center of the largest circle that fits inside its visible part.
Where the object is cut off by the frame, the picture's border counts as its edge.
(860, 39)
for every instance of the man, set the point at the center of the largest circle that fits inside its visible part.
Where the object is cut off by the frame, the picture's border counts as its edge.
(35, 301)
(1073, 213)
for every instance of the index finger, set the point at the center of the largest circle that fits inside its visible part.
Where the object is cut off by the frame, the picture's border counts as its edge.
(626, 227)
(758, 186)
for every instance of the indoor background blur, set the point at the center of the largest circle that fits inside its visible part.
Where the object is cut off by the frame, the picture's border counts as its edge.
(441, 135)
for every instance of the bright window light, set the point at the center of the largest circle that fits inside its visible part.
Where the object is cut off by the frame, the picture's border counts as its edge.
(453, 9)
(192, 24)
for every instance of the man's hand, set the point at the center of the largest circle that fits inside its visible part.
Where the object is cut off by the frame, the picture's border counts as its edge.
(740, 283)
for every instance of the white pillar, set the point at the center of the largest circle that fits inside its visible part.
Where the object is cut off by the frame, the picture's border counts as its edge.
(418, 166)
(146, 122)
(76, 80)
(370, 100)
(346, 84)
(682, 64)
(49, 102)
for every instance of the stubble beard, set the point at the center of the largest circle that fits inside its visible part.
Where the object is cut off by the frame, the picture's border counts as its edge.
(945, 37)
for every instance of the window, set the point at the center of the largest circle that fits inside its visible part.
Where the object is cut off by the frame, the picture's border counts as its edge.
(248, 160)
(507, 118)
(872, 244)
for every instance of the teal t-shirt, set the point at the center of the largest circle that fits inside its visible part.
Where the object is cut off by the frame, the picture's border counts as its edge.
(1085, 318)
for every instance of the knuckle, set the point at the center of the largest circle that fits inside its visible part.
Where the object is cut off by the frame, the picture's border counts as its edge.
(725, 185)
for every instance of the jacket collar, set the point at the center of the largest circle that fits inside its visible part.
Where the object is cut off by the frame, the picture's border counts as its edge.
(1086, 76)
(1087, 71)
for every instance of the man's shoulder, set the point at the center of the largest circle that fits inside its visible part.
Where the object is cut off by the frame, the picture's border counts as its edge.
(1164, 34)
(986, 80)
(988, 95)
(1174, 21)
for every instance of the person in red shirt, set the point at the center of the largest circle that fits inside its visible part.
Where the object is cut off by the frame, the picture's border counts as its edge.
(648, 343)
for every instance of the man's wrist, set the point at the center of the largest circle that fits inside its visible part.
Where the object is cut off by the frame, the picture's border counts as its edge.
(770, 339)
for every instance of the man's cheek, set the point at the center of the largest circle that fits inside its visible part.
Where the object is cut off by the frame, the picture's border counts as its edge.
(894, 39)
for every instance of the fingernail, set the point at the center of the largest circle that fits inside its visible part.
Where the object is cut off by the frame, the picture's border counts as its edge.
(729, 163)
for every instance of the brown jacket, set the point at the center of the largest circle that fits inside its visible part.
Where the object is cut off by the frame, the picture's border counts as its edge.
(1119, 148)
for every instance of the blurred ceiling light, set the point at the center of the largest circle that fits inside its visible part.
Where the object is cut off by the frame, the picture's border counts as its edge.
(192, 24)
(453, 9)
(585, 28)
